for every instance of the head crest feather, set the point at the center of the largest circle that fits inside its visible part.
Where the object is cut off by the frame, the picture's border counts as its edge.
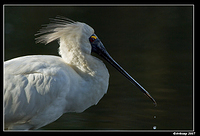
(54, 30)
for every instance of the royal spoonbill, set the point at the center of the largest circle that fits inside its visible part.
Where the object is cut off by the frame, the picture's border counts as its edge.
(38, 89)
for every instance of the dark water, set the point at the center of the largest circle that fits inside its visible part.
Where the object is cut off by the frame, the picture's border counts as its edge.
(153, 44)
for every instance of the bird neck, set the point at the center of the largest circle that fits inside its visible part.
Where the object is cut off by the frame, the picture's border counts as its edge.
(83, 63)
(94, 83)
(94, 75)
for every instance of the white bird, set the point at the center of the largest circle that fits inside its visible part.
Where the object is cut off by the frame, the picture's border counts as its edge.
(39, 89)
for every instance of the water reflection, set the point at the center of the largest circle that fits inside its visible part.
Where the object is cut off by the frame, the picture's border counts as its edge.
(153, 44)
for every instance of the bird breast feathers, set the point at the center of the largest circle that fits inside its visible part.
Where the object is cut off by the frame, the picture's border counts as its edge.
(42, 75)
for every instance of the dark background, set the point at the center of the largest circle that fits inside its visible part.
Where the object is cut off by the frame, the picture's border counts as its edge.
(154, 44)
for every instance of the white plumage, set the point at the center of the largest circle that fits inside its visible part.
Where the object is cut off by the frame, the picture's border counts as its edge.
(38, 89)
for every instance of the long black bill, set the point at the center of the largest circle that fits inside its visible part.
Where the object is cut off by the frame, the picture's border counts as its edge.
(98, 48)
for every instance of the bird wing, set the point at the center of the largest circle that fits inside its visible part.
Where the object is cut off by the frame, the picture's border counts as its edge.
(32, 84)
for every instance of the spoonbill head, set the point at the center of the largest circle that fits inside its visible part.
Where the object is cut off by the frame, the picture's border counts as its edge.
(38, 89)
(86, 41)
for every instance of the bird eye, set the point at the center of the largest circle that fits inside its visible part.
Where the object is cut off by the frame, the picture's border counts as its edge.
(92, 38)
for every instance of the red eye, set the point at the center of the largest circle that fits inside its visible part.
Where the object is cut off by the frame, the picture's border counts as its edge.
(91, 39)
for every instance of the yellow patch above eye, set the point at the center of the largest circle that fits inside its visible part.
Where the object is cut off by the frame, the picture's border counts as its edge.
(94, 37)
